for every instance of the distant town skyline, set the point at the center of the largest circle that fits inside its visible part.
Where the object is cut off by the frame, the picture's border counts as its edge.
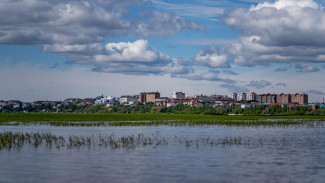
(52, 50)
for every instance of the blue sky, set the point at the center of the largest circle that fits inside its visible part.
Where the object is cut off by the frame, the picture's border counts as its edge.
(52, 50)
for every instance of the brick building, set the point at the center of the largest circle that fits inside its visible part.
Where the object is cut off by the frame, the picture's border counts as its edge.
(267, 98)
(283, 98)
(162, 101)
(146, 97)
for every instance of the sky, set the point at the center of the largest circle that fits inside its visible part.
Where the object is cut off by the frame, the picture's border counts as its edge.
(58, 49)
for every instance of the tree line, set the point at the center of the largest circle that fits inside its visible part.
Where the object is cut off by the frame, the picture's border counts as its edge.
(178, 109)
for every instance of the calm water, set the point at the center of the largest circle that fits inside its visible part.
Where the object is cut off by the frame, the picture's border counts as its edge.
(285, 155)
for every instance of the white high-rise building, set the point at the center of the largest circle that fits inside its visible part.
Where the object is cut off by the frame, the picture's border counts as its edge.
(178, 95)
(243, 96)
(252, 96)
(234, 96)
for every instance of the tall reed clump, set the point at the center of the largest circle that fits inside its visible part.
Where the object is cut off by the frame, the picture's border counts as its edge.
(9, 140)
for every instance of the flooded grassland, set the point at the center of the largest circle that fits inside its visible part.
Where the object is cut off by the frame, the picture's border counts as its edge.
(153, 149)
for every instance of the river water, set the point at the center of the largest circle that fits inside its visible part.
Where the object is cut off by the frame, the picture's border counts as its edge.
(266, 154)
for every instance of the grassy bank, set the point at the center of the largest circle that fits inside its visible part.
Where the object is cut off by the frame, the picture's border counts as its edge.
(64, 117)
(151, 119)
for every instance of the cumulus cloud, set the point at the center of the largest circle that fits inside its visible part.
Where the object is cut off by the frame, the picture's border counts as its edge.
(211, 57)
(131, 58)
(281, 84)
(160, 24)
(60, 21)
(80, 22)
(306, 68)
(284, 31)
(259, 84)
(281, 69)
(317, 92)
(123, 57)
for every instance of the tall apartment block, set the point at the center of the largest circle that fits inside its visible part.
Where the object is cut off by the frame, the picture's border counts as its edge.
(267, 98)
(146, 97)
(299, 98)
(283, 98)
(252, 96)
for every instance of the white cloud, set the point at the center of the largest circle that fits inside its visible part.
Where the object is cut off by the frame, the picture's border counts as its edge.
(138, 51)
(40, 22)
(284, 31)
(280, 4)
(125, 57)
(162, 24)
(131, 58)
(81, 22)
(211, 57)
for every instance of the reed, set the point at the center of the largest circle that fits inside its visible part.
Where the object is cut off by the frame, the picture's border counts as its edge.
(85, 120)
(9, 140)
(17, 140)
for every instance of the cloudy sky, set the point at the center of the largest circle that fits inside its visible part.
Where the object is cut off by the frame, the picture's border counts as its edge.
(56, 49)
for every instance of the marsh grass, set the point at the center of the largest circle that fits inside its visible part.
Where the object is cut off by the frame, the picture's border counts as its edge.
(63, 119)
(17, 140)
(9, 140)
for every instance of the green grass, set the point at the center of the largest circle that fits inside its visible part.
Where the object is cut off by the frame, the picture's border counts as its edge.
(151, 119)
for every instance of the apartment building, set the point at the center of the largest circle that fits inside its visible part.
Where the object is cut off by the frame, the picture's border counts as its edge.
(146, 97)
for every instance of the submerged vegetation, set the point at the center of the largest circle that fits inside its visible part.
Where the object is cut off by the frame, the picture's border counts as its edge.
(9, 140)
(17, 140)
(70, 119)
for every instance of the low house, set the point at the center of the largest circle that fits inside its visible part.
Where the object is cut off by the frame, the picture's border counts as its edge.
(73, 100)
(129, 99)
(3, 103)
(246, 105)
(171, 104)
(184, 101)
(219, 104)
(195, 103)
(108, 101)
(162, 101)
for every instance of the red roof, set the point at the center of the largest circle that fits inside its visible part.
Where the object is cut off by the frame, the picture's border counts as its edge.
(244, 93)
(181, 98)
(235, 93)
(253, 93)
